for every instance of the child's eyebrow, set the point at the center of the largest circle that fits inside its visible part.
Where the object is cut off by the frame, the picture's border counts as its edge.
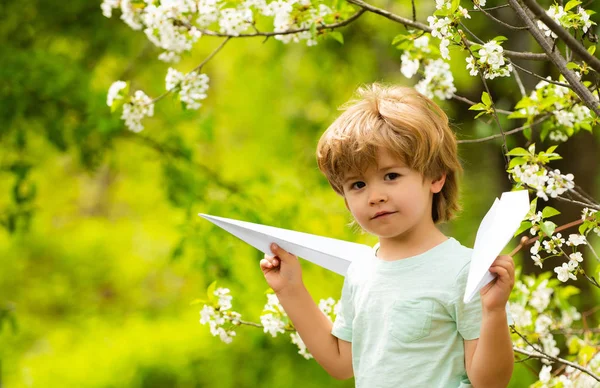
(391, 167)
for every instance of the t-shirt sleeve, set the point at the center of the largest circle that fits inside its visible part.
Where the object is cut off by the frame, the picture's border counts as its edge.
(468, 315)
(342, 326)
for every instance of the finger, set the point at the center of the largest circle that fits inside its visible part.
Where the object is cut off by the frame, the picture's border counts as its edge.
(509, 265)
(502, 273)
(265, 264)
(505, 259)
(281, 253)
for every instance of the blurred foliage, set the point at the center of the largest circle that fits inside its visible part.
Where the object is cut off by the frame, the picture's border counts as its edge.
(102, 250)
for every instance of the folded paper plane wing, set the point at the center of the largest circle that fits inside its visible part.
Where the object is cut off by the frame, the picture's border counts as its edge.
(332, 254)
(495, 231)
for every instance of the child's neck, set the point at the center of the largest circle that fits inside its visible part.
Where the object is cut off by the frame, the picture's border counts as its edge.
(410, 244)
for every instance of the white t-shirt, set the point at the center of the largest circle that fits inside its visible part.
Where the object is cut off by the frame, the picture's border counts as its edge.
(406, 319)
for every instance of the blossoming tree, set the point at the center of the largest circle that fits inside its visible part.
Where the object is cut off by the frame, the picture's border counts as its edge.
(554, 110)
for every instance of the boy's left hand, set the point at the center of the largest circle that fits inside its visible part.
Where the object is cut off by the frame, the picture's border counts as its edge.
(494, 295)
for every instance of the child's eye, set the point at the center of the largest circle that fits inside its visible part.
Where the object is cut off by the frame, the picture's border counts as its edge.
(392, 175)
(357, 185)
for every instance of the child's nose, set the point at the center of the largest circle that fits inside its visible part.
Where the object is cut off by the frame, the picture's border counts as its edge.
(377, 197)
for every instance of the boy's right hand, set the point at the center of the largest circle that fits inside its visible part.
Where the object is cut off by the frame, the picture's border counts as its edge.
(281, 271)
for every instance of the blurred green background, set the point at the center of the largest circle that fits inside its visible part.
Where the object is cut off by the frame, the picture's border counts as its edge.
(101, 249)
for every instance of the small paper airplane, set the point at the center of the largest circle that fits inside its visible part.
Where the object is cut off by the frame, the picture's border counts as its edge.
(495, 231)
(330, 253)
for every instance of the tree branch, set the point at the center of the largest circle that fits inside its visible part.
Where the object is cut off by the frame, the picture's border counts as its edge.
(423, 27)
(586, 96)
(563, 34)
(295, 31)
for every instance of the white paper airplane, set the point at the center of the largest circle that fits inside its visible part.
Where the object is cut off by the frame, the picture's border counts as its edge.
(330, 253)
(497, 228)
(495, 231)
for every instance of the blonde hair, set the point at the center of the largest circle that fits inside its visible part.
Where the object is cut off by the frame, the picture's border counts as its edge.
(405, 123)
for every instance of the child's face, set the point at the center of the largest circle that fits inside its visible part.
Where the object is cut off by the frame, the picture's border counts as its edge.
(390, 199)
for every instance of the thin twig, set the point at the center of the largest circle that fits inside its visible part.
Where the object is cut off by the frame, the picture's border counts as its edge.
(466, 100)
(550, 81)
(539, 354)
(512, 131)
(294, 31)
(197, 68)
(500, 21)
(492, 104)
(423, 27)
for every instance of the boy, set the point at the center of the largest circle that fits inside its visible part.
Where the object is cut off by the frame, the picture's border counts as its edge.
(402, 321)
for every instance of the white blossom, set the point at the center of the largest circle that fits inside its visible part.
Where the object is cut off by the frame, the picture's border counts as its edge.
(438, 80)
(440, 27)
(563, 273)
(208, 13)
(585, 19)
(224, 298)
(521, 316)
(131, 15)
(492, 58)
(569, 316)
(444, 52)
(302, 350)
(542, 324)
(114, 92)
(576, 240)
(107, 6)
(272, 324)
(409, 65)
(556, 12)
(544, 181)
(587, 213)
(192, 87)
(545, 375)
(326, 306)
(235, 21)
(558, 136)
(472, 65)
(540, 298)
(574, 260)
(134, 111)
(422, 43)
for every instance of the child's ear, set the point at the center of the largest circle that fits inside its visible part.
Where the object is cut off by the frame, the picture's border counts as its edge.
(438, 184)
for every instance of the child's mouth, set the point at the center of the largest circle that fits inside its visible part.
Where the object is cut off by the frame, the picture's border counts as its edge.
(382, 215)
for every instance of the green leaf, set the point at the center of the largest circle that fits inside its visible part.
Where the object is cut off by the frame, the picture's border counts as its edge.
(533, 205)
(551, 149)
(525, 225)
(573, 65)
(486, 99)
(518, 152)
(548, 227)
(527, 132)
(591, 49)
(337, 36)
(455, 4)
(571, 4)
(478, 106)
(516, 161)
(500, 38)
(398, 39)
(480, 114)
(549, 212)
(198, 301)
